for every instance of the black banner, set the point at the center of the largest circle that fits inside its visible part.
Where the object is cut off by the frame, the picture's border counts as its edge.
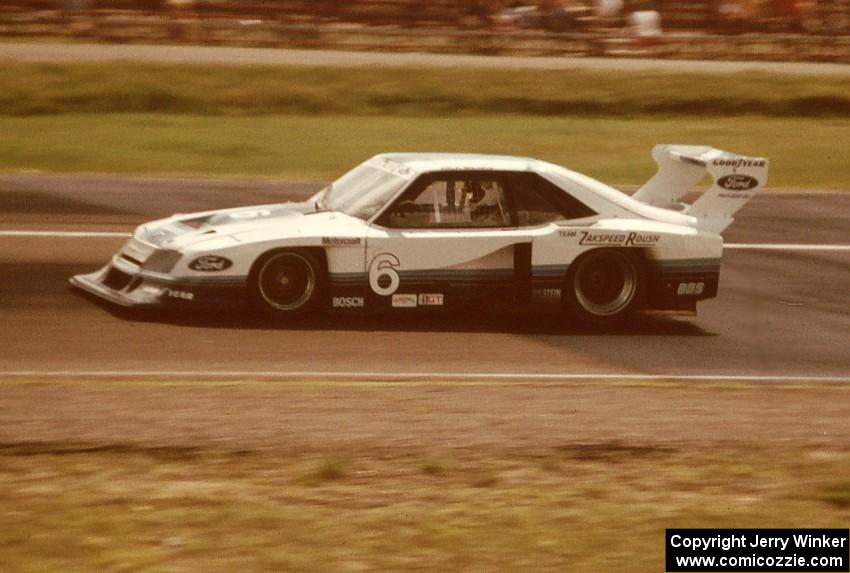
(759, 550)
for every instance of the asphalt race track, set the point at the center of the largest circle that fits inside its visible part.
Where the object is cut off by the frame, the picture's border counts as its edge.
(782, 312)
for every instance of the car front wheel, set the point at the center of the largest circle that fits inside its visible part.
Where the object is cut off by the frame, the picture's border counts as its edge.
(286, 283)
(604, 286)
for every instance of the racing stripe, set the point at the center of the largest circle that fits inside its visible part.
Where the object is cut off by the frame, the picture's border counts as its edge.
(689, 266)
(460, 274)
(349, 278)
(196, 281)
(549, 271)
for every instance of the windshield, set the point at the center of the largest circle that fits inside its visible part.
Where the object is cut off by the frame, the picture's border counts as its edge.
(363, 190)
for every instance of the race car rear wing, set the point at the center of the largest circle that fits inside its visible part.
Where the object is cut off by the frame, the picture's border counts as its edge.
(735, 179)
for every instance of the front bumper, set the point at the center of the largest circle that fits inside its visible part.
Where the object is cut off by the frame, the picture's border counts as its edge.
(127, 287)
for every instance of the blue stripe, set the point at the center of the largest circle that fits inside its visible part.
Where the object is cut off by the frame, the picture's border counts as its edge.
(458, 273)
(688, 262)
(349, 277)
(463, 275)
(546, 271)
(197, 281)
(688, 266)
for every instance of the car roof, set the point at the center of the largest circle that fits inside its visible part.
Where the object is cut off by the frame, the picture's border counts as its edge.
(427, 162)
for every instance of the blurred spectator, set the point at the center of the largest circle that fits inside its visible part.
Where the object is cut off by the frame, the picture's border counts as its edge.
(519, 15)
(77, 15)
(645, 27)
(732, 15)
(826, 16)
(789, 14)
(795, 16)
(607, 17)
(182, 15)
(608, 9)
(179, 7)
(551, 15)
(73, 7)
(479, 11)
(563, 15)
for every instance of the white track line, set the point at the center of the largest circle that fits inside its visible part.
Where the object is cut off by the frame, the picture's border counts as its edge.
(784, 247)
(64, 234)
(413, 376)
(732, 246)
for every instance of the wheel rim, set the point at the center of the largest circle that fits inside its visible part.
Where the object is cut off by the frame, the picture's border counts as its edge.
(287, 281)
(606, 283)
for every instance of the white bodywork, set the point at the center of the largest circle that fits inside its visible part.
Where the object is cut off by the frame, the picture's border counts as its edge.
(207, 258)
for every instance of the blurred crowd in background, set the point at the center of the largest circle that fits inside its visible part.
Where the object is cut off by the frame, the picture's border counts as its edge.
(556, 16)
(789, 30)
(800, 16)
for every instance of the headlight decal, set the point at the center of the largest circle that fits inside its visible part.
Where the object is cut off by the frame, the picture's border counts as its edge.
(161, 261)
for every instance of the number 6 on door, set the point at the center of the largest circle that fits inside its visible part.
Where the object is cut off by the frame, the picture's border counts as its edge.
(383, 277)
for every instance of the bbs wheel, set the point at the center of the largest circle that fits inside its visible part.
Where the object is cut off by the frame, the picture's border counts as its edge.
(604, 286)
(286, 283)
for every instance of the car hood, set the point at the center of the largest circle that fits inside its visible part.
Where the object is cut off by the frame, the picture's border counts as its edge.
(243, 224)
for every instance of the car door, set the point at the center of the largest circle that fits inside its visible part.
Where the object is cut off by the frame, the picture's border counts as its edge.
(553, 218)
(449, 238)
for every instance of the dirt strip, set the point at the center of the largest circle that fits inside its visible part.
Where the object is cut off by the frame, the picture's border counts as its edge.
(220, 55)
(314, 416)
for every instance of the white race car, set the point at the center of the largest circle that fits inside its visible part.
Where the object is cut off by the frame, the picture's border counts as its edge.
(428, 230)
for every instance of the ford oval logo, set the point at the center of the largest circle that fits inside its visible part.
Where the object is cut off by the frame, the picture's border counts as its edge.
(210, 263)
(737, 182)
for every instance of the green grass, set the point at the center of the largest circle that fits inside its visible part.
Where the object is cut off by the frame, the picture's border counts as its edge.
(803, 152)
(40, 89)
(125, 508)
(317, 122)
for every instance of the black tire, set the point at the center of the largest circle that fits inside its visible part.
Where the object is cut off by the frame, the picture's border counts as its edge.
(604, 286)
(287, 283)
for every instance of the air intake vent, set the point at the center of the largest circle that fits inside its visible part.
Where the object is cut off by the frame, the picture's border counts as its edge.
(115, 279)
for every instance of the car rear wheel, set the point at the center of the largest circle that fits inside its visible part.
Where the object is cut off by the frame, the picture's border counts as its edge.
(286, 283)
(604, 286)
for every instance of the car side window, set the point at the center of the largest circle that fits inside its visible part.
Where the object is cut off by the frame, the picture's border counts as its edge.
(537, 201)
(451, 202)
